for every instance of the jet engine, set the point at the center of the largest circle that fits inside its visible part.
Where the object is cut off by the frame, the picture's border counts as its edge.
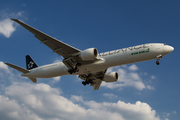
(89, 54)
(111, 77)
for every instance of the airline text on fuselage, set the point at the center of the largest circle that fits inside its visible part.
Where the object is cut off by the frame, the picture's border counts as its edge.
(126, 49)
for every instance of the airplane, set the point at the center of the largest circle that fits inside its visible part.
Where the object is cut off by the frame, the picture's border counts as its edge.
(89, 65)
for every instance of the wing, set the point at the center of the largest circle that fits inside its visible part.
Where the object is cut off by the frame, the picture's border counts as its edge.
(57, 46)
(69, 53)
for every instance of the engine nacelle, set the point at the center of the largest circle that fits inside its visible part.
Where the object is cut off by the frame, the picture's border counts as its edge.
(111, 77)
(89, 54)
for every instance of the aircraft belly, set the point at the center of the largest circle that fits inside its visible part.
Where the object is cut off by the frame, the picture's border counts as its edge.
(53, 72)
(48, 71)
(92, 68)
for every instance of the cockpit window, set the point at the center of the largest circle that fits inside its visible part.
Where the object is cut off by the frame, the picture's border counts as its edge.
(165, 44)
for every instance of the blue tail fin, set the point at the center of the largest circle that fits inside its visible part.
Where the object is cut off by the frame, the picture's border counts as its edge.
(30, 64)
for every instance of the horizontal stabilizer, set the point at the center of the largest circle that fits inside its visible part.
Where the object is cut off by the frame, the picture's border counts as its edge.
(34, 80)
(18, 68)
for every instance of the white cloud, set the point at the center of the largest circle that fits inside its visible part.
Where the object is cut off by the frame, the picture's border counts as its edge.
(6, 14)
(55, 79)
(174, 112)
(166, 114)
(77, 98)
(149, 87)
(30, 101)
(57, 60)
(133, 67)
(3, 66)
(24, 5)
(7, 26)
(5, 73)
(11, 110)
(42, 102)
(145, 73)
(126, 78)
(47, 103)
(128, 111)
(153, 77)
(109, 95)
(129, 77)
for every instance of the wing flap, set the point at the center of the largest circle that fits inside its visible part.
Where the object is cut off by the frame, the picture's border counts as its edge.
(97, 84)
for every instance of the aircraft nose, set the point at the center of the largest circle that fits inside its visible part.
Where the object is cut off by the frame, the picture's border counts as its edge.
(168, 49)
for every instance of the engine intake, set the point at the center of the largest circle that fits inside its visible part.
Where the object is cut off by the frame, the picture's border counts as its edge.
(89, 54)
(111, 77)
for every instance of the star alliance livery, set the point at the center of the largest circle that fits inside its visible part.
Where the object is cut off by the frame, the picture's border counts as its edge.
(90, 65)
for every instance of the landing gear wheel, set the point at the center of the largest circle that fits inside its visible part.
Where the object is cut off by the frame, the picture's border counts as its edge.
(84, 83)
(90, 81)
(87, 82)
(71, 71)
(157, 62)
(76, 69)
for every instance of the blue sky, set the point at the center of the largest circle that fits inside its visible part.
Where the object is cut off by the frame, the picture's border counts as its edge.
(144, 90)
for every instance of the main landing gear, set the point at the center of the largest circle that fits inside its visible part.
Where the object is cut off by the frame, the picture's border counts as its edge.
(71, 71)
(158, 58)
(88, 81)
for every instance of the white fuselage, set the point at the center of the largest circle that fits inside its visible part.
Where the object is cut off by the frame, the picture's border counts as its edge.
(108, 59)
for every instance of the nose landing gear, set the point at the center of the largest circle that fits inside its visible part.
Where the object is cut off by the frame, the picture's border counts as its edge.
(158, 58)
(157, 62)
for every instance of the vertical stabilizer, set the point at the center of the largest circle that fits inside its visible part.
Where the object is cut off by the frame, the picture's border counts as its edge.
(30, 64)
